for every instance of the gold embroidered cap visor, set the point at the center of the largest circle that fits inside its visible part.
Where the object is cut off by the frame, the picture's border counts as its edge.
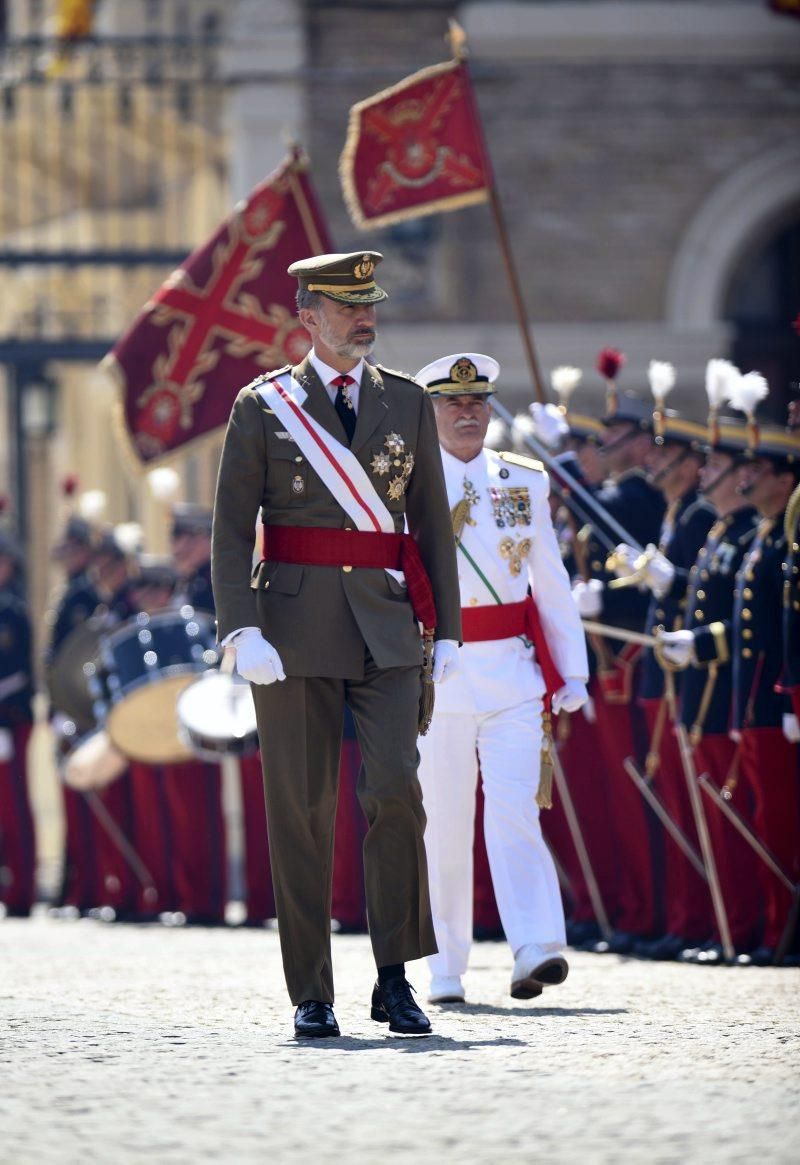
(346, 278)
(462, 374)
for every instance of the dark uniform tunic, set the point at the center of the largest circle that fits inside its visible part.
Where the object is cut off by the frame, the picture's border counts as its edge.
(685, 905)
(769, 762)
(705, 710)
(17, 842)
(621, 726)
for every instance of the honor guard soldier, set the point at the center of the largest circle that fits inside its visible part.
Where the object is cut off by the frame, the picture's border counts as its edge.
(674, 464)
(762, 712)
(629, 498)
(17, 841)
(74, 552)
(339, 454)
(194, 788)
(509, 568)
(578, 452)
(703, 648)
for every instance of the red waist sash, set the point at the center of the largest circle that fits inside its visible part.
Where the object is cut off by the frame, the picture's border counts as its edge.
(504, 620)
(323, 546)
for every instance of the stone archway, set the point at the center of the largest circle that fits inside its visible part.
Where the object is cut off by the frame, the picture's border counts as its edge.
(741, 209)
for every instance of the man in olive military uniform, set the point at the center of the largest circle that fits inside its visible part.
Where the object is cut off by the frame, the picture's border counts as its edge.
(703, 648)
(338, 454)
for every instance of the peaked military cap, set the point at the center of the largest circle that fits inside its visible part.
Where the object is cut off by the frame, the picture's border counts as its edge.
(155, 571)
(632, 409)
(346, 278)
(188, 518)
(677, 430)
(462, 374)
(779, 445)
(584, 428)
(728, 435)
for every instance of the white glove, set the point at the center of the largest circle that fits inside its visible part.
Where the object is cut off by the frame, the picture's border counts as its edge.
(659, 572)
(256, 659)
(625, 558)
(549, 424)
(589, 714)
(570, 697)
(791, 728)
(678, 647)
(7, 745)
(588, 598)
(445, 660)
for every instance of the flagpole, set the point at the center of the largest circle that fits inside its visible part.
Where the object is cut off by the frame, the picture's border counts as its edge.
(458, 45)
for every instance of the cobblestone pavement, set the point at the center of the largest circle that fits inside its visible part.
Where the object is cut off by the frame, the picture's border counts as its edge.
(133, 1044)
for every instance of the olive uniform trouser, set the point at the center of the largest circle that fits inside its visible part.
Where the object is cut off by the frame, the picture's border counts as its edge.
(300, 728)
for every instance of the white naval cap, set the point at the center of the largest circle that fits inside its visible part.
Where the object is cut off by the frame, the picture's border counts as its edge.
(462, 374)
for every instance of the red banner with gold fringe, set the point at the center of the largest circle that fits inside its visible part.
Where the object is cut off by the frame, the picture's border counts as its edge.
(415, 149)
(222, 318)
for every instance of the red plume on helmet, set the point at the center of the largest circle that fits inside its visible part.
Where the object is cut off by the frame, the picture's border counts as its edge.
(69, 485)
(609, 362)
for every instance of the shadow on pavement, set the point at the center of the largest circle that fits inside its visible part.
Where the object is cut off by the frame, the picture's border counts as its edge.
(393, 1043)
(526, 1013)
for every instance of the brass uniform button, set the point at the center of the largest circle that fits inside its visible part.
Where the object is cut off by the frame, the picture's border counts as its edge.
(747, 613)
(299, 460)
(347, 569)
(698, 615)
(747, 593)
(747, 653)
(747, 633)
(704, 574)
(701, 594)
(473, 602)
(266, 584)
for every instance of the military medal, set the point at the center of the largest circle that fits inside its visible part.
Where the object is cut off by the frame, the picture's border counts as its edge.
(514, 552)
(298, 484)
(394, 458)
(511, 505)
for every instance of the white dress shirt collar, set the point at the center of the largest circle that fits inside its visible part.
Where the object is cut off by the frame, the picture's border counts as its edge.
(327, 374)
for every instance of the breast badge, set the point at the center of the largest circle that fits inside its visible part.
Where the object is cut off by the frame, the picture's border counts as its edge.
(394, 458)
(298, 484)
(514, 553)
(511, 505)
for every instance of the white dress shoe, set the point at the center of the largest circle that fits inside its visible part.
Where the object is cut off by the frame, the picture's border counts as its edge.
(446, 989)
(535, 969)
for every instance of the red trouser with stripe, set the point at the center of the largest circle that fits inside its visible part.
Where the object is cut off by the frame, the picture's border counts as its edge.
(687, 907)
(770, 768)
(584, 770)
(628, 821)
(194, 800)
(17, 841)
(735, 860)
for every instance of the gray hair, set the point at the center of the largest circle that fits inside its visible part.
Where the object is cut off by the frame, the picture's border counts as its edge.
(308, 299)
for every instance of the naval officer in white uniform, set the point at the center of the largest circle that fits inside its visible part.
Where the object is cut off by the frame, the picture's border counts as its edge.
(491, 713)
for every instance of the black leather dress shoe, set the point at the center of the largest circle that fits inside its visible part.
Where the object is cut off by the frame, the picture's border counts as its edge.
(315, 1021)
(663, 949)
(620, 943)
(393, 1003)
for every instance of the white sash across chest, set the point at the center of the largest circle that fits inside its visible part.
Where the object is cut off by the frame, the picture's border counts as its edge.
(334, 463)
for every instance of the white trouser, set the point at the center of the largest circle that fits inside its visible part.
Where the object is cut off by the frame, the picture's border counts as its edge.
(507, 745)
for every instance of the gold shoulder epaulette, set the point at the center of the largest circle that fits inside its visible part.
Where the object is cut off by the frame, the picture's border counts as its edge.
(525, 462)
(396, 372)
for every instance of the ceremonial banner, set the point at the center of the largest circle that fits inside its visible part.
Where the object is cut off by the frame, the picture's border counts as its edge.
(225, 316)
(415, 149)
(788, 7)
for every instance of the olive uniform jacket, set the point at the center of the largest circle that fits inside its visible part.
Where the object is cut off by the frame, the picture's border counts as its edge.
(321, 618)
